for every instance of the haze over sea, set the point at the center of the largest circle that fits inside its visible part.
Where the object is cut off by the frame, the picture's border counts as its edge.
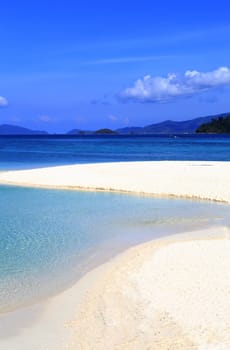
(51, 232)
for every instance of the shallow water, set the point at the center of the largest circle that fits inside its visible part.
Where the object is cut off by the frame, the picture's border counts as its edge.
(49, 238)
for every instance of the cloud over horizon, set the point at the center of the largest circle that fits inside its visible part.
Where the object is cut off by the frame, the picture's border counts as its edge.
(157, 89)
(45, 118)
(3, 101)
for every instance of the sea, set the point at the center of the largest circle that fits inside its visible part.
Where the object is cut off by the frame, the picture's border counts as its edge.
(50, 238)
(48, 150)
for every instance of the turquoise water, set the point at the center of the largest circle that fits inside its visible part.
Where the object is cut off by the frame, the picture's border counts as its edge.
(49, 238)
(36, 151)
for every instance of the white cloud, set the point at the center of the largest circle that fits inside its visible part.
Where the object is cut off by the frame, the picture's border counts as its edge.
(113, 118)
(128, 59)
(3, 101)
(45, 118)
(162, 89)
(126, 121)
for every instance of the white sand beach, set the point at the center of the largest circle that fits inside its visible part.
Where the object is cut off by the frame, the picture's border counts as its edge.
(172, 293)
(168, 294)
(188, 179)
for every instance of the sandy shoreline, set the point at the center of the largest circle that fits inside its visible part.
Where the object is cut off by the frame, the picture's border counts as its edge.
(171, 293)
(188, 179)
(161, 295)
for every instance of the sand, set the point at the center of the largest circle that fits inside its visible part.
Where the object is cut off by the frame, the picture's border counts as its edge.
(172, 293)
(167, 294)
(201, 180)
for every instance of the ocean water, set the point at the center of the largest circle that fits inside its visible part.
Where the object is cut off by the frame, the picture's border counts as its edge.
(49, 238)
(23, 152)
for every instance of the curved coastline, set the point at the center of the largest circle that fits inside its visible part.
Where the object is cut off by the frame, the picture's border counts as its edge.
(141, 299)
(182, 179)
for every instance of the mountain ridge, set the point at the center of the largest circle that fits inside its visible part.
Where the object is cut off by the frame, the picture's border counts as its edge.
(170, 126)
(8, 129)
(165, 127)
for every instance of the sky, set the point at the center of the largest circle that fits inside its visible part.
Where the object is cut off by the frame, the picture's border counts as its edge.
(93, 64)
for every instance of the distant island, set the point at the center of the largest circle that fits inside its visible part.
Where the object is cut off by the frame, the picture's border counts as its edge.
(209, 124)
(168, 127)
(103, 131)
(7, 129)
(165, 127)
(220, 125)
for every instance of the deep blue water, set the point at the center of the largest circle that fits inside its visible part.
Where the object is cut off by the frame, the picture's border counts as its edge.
(38, 151)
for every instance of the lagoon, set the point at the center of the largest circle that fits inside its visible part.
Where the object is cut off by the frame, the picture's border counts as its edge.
(50, 238)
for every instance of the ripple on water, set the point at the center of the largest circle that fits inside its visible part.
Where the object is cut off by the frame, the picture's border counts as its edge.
(48, 238)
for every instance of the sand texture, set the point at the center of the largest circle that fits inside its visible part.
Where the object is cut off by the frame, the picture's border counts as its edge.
(162, 295)
(169, 294)
(203, 180)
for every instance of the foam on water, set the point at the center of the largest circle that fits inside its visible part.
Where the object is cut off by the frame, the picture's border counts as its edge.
(49, 238)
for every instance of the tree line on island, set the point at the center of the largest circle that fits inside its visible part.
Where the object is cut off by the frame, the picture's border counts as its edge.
(166, 127)
(218, 124)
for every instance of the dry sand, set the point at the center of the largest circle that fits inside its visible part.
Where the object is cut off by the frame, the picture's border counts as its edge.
(167, 294)
(172, 293)
(204, 180)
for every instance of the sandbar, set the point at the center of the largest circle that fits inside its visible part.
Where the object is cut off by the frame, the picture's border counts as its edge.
(170, 293)
(187, 179)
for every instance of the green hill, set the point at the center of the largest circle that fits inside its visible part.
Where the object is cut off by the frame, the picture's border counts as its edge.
(104, 131)
(219, 125)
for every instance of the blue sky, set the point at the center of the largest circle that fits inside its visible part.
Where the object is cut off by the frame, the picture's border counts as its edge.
(67, 64)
